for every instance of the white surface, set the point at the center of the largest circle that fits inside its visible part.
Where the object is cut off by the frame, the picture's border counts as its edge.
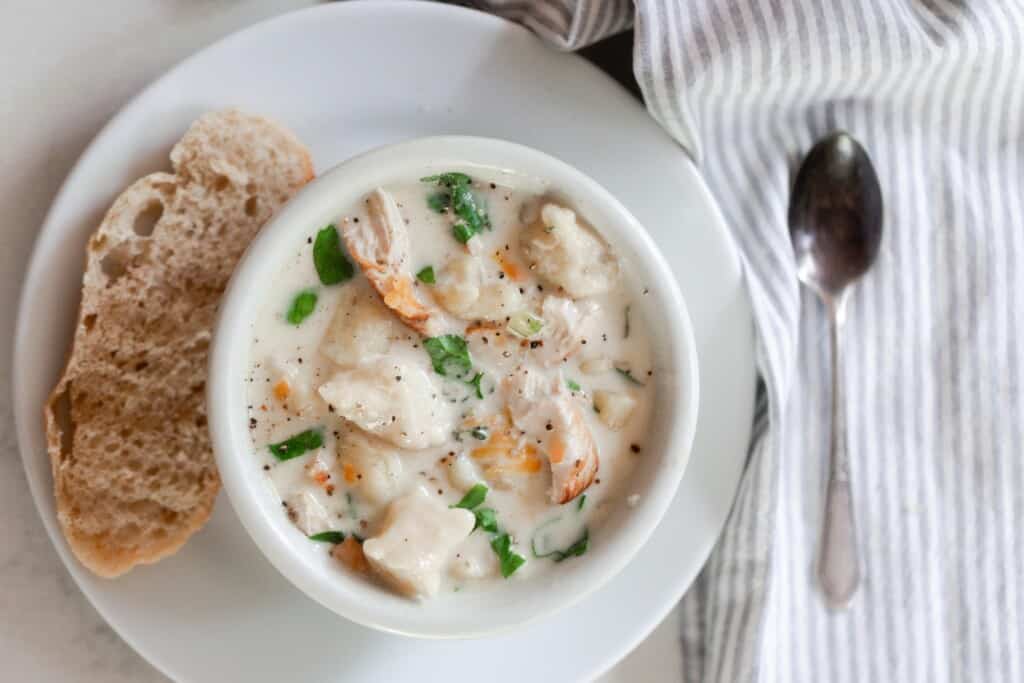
(66, 71)
(667, 440)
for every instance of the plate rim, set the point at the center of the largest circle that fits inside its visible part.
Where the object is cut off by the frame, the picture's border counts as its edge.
(40, 490)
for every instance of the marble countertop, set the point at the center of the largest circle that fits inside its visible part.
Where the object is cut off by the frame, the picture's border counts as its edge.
(68, 67)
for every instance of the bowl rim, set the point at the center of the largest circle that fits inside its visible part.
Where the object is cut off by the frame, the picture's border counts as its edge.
(353, 598)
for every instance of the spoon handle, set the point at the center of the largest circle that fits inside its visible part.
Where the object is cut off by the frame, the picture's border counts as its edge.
(839, 559)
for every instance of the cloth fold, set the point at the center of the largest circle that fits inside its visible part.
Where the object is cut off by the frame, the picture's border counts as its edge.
(934, 89)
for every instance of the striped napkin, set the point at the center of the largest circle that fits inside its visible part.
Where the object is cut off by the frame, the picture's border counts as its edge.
(934, 89)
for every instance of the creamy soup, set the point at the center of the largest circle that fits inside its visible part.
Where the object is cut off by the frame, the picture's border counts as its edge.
(448, 387)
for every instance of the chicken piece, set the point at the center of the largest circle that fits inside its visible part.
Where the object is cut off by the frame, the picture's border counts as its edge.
(350, 553)
(567, 254)
(564, 328)
(542, 407)
(418, 538)
(380, 246)
(372, 466)
(596, 365)
(475, 559)
(463, 291)
(392, 400)
(307, 513)
(461, 472)
(361, 329)
(614, 408)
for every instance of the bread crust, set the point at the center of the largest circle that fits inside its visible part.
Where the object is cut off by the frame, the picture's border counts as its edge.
(133, 470)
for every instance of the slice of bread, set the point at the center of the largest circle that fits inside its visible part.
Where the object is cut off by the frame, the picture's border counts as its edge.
(133, 470)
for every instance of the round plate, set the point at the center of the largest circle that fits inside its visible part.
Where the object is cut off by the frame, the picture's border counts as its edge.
(347, 77)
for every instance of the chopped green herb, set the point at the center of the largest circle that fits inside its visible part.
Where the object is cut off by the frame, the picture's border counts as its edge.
(329, 259)
(573, 385)
(297, 445)
(448, 351)
(629, 378)
(328, 537)
(486, 520)
(471, 218)
(463, 232)
(352, 512)
(583, 499)
(510, 560)
(475, 383)
(439, 201)
(625, 332)
(480, 433)
(575, 550)
(448, 179)
(302, 306)
(426, 275)
(525, 324)
(473, 497)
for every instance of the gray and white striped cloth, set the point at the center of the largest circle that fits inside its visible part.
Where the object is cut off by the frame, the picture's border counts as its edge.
(935, 91)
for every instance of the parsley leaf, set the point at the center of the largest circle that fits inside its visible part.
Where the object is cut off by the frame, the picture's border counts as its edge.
(475, 383)
(572, 384)
(297, 445)
(329, 259)
(471, 218)
(448, 351)
(486, 520)
(439, 201)
(302, 306)
(629, 377)
(328, 537)
(474, 497)
(583, 499)
(426, 275)
(510, 560)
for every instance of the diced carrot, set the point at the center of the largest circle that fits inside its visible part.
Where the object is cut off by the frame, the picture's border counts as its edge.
(510, 269)
(349, 472)
(484, 452)
(282, 390)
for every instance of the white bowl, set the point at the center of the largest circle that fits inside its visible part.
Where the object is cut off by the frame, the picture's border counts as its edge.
(499, 607)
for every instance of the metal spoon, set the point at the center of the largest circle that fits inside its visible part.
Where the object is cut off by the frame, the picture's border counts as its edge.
(835, 222)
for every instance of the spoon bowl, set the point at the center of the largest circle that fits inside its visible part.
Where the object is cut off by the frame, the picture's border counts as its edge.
(835, 216)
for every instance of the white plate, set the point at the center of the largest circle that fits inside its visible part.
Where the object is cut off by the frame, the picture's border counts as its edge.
(347, 77)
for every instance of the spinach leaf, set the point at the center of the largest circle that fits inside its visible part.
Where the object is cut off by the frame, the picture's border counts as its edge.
(426, 275)
(509, 560)
(329, 259)
(334, 537)
(302, 306)
(474, 497)
(295, 446)
(486, 520)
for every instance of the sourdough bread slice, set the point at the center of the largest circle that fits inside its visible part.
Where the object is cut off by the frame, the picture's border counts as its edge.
(133, 470)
